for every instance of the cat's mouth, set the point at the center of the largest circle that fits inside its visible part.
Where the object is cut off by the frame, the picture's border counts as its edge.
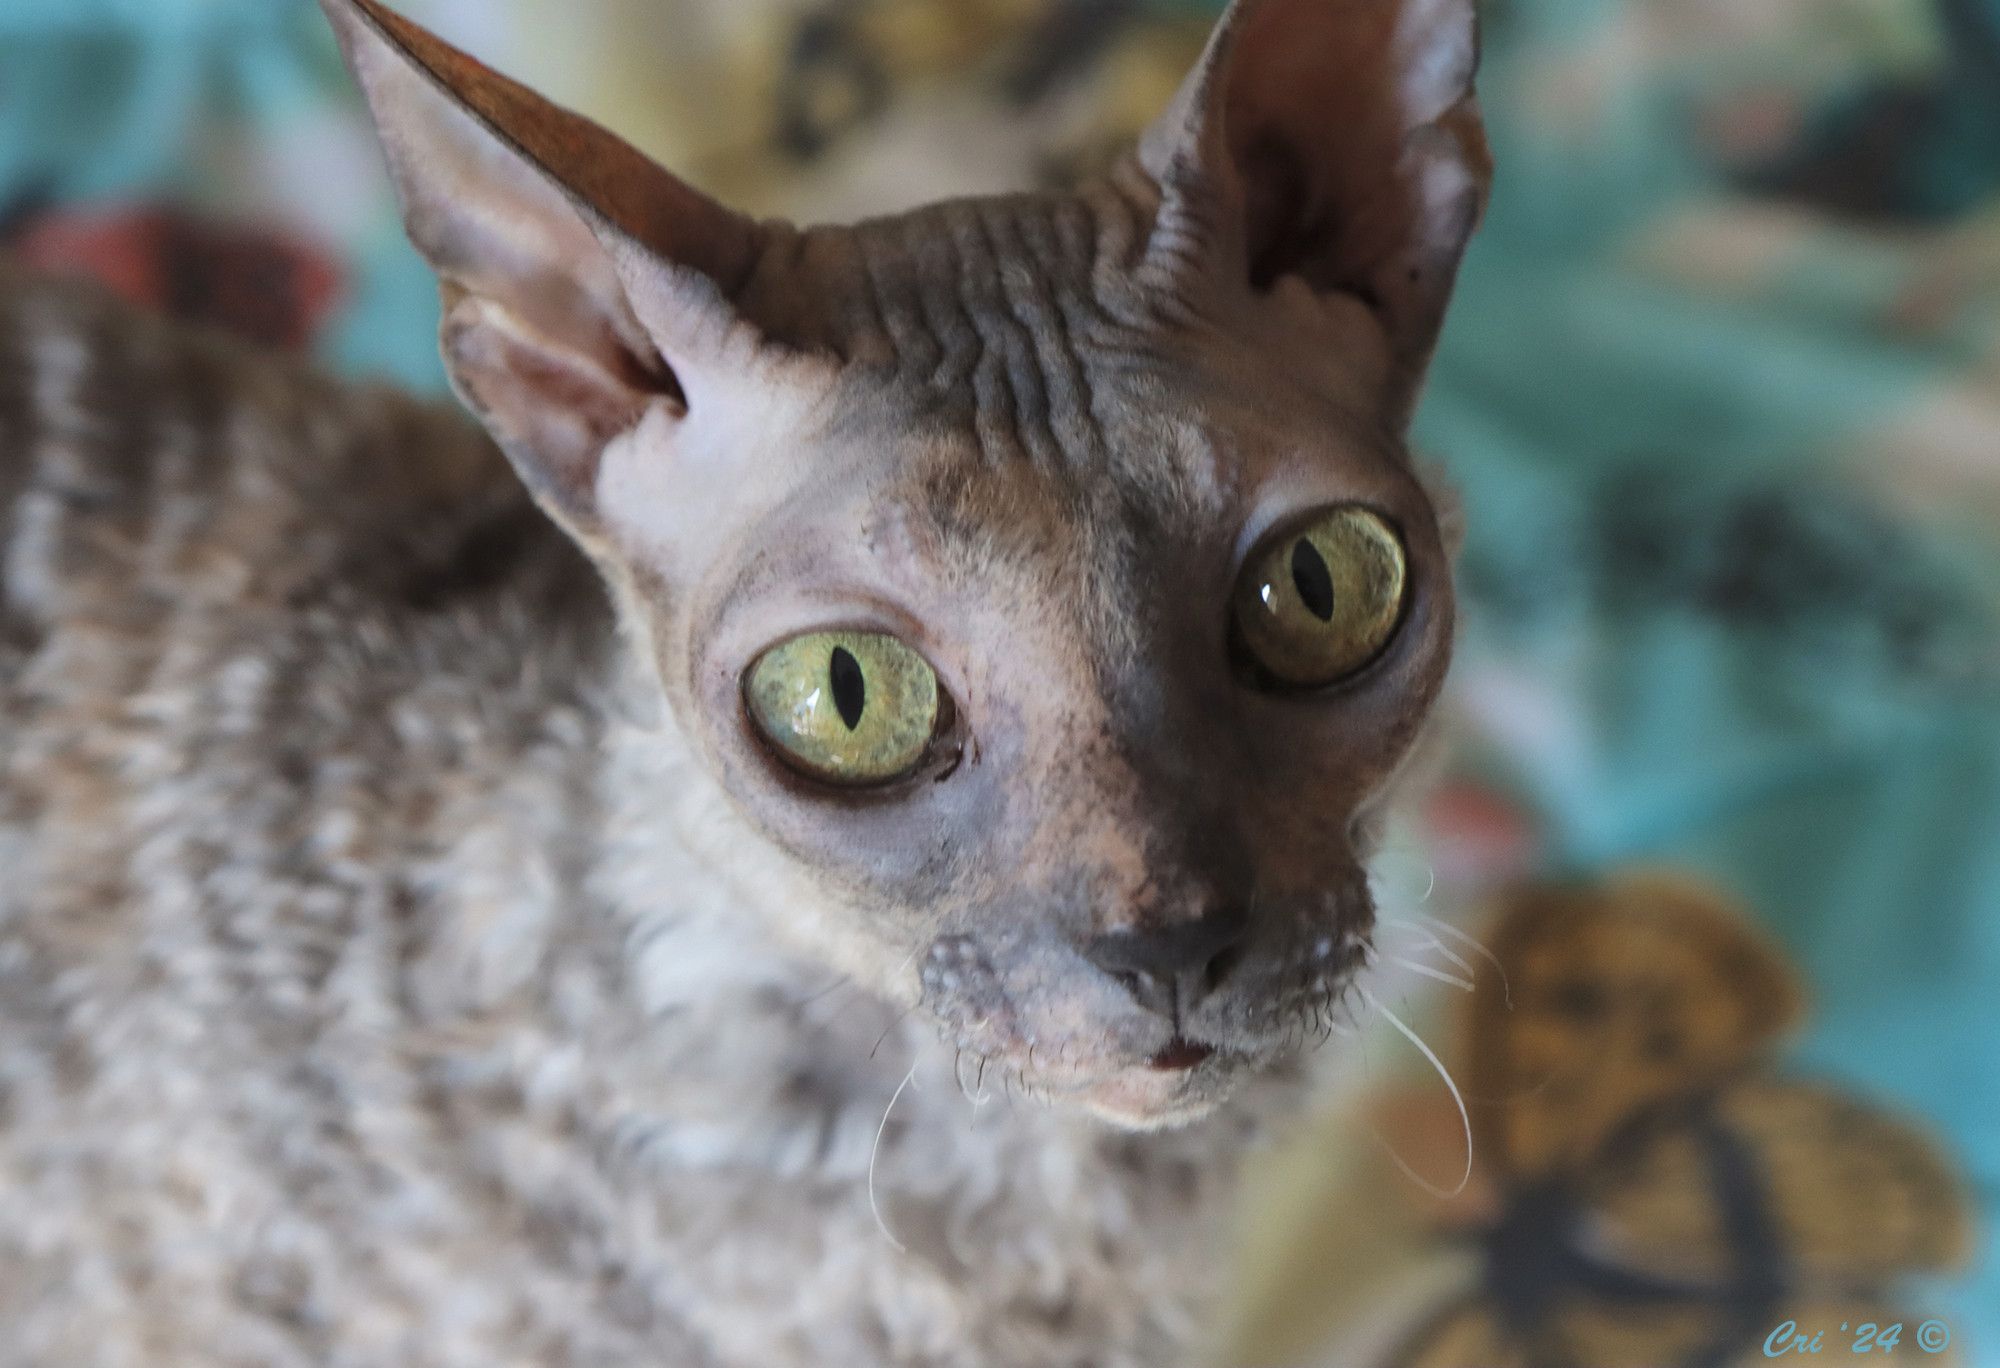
(1078, 1041)
(1181, 1054)
(1183, 1082)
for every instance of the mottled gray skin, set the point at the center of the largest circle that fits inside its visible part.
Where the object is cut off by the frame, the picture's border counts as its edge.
(409, 953)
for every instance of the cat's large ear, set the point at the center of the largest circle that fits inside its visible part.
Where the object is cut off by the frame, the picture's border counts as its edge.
(1334, 140)
(582, 283)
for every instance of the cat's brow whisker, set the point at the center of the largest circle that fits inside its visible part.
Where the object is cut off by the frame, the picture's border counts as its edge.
(1464, 1116)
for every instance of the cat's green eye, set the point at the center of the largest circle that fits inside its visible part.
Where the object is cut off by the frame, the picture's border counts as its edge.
(1323, 598)
(852, 708)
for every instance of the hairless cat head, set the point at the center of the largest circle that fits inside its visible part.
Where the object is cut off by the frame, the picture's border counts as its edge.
(1041, 575)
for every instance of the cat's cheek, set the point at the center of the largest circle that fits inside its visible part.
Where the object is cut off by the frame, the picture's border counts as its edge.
(669, 499)
(1008, 994)
(886, 865)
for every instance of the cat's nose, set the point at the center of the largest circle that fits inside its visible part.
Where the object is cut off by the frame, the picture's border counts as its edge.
(1168, 969)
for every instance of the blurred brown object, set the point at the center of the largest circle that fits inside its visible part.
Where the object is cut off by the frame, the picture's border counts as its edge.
(1663, 1199)
(1644, 1189)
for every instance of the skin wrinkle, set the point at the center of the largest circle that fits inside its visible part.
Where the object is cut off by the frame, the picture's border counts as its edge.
(1062, 374)
(1019, 346)
(1009, 350)
(1177, 248)
(959, 312)
(931, 317)
(977, 335)
(859, 311)
(1120, 222)
(902, 298)
(1073, 319)
(995, 406)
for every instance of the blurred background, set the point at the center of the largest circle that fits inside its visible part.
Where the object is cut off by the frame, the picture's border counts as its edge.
(1720, 395)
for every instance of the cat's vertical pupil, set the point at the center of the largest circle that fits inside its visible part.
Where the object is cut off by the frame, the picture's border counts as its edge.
(850, 690)
(1312, 579)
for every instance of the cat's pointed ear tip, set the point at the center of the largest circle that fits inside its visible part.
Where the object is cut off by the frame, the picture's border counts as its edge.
(347, 11)
(358, 25)
(344, 15)
(366, 27)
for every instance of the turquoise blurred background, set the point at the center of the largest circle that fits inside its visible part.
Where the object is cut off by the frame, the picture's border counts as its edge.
(1721, 390)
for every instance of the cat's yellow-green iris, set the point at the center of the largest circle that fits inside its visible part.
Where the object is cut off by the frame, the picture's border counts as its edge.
(1321, 600)
(847, 707)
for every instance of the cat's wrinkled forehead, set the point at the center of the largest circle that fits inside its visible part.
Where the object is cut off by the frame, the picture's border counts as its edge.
(1006, 320)
(1013, 384)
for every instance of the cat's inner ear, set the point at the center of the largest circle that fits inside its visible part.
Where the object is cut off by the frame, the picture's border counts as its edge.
(1338, 141)
(582, 282)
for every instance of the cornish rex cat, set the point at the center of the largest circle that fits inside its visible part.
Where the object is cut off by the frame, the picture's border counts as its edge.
(412, 955)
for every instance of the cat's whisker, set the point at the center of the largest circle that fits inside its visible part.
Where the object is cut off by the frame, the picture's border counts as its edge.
(1464, 985)
(1430, 870)
(1477, 946)
(1427, 943)
(841, 981)
(875, 1153)
(1457, 961)
(1343, 1006)
(886, 1030)
(976, 1094)
(1464, 1116)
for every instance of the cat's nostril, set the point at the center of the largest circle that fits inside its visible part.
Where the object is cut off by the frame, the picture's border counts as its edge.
(1221, 967)
(1169, 969)
(1154, 994)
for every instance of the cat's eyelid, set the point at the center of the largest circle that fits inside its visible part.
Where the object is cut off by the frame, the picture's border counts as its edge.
(754, 617)
(1262, 525)
(863, 616)
(1297, 487)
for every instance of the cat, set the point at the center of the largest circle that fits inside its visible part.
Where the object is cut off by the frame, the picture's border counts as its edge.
(828, 851)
